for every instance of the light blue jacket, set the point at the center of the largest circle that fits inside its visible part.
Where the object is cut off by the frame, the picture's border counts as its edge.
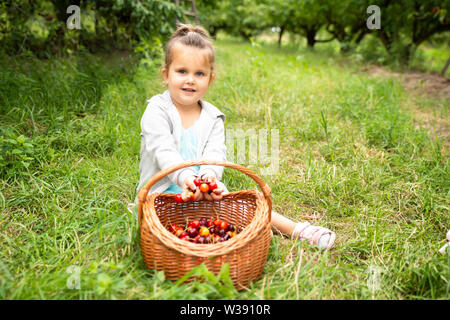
(160, 142)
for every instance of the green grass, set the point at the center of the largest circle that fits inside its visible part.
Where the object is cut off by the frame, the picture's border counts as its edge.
(352, 158)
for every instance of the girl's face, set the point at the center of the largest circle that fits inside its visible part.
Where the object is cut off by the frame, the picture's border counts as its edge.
(189, 75)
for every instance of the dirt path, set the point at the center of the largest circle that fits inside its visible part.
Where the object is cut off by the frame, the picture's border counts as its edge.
(424, 84)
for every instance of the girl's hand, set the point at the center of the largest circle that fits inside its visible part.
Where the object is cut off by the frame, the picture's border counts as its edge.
(190, 185)
(216, 194)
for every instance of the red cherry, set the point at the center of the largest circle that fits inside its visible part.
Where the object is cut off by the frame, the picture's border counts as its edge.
(210, 223)
(224, 225)
(183, 234)
(217, 222)
(196, 224)
(212, 186)
(197, 182)
(173, 228)
(178, 198)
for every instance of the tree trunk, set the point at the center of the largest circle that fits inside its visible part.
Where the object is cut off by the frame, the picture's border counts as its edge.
(311, 37)
(445, 68)
(280, 35)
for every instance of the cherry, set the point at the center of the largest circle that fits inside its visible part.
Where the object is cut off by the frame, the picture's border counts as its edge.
(178, 198)
(193, 232)
(197, 182)
(173, 228)
(224, 225)
(190, 195)
(217, 222)
(231, 227)
(195, 224)
(222, 232)
(204, 187)
(186, 238)
(204, 232)
(183, 234)
(203, 221)
(212, 186)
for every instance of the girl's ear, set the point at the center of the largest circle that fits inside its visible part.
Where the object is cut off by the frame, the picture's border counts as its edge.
(211, 79)
(165, 75)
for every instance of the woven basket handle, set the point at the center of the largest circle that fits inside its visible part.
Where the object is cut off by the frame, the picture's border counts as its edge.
(161, 174)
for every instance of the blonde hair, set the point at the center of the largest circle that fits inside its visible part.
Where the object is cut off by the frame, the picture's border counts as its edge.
(190, 36)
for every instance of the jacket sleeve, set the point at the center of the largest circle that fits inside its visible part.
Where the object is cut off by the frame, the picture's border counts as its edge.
(160, 144)
(215, 149)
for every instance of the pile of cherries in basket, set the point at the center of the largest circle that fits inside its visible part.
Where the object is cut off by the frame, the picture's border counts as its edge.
(205, 186)
(205, 231)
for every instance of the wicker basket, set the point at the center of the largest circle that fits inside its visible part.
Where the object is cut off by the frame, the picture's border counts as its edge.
(246, 253)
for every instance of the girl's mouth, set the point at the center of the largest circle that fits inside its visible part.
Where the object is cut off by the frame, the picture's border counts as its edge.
(188, 89)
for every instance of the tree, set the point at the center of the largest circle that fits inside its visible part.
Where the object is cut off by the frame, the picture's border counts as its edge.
(305, 18)
(245, 18)
(131, 22)
(406, 24)
(346, 21)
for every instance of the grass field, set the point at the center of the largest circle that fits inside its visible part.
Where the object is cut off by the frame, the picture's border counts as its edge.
(354, 157)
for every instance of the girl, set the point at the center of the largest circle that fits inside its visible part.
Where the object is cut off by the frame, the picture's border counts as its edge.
(178, 126)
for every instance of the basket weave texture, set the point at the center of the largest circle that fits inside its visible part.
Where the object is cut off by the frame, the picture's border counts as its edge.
(246, 253)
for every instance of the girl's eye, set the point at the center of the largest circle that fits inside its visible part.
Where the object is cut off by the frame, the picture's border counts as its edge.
(200, 73)
(182, 71)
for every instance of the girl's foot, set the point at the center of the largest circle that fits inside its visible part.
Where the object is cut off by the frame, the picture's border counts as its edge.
(320, 236)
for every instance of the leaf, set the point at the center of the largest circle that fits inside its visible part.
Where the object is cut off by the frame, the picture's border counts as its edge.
(160, 276)
(20, 139)
(104, 280)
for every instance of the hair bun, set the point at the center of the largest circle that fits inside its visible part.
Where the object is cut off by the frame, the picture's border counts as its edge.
(184, 29)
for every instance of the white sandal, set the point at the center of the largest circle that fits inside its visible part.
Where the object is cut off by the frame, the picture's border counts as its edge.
(305, 230)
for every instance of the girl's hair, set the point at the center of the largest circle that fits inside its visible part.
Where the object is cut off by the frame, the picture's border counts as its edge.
(190, 36)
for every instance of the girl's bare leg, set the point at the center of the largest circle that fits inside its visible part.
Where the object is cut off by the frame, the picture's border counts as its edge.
(282, 224)
(287, 227)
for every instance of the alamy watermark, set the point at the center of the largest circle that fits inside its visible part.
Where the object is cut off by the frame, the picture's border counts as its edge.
(74, 20)
(374, 278)
(374, 20)
(73, 282)
(258, 150)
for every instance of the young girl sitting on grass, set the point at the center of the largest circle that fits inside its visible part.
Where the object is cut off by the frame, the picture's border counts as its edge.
(179, 126)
